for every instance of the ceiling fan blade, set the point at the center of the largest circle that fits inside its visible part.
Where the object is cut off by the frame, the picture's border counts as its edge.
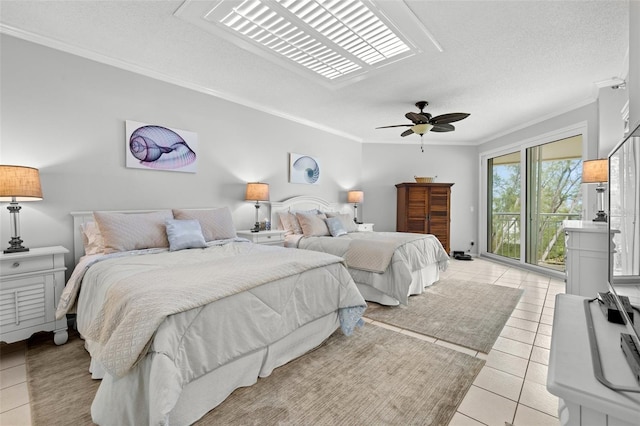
(395, 125)
(417, 118)
(407, 132)
(449, 118)
(444, 127)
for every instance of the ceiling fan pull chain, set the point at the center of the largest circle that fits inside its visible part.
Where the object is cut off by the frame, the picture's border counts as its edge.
(421, 143)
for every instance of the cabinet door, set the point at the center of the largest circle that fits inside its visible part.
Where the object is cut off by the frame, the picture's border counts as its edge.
(418, 210)
(438, 202)
(23, 302)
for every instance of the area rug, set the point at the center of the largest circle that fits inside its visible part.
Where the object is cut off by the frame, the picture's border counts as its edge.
(375, 376)
(462, 312)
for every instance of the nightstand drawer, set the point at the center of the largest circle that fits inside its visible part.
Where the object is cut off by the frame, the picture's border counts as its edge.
(263, 239)
(10, 266)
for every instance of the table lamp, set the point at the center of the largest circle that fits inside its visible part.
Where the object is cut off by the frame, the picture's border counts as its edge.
(355, 197)
(597, 171)
(18, 183)
(257, 191)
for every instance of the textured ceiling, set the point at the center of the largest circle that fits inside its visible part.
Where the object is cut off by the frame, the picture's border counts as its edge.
(507, 63)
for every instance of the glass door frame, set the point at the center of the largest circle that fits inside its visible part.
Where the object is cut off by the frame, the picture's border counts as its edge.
(588, 148)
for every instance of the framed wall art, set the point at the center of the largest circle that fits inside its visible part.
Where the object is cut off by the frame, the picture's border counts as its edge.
(154, 147)
(304, 169)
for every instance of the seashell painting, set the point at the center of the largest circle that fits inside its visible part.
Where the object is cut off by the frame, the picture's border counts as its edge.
(304, 169)
(160, 148)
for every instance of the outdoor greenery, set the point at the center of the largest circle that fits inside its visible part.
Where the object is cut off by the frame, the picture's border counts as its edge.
(556, 197)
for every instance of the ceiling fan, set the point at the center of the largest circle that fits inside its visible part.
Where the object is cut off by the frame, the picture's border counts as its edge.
(423, 122)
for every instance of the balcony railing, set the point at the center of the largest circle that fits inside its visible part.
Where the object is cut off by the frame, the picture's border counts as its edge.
(505, 237)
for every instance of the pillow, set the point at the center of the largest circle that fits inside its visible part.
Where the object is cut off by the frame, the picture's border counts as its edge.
(133, 231)
(313, 225)
(91, 238)
(216, 224)
(335, 226)
(290, 223)
(346, 219)
(184, 234)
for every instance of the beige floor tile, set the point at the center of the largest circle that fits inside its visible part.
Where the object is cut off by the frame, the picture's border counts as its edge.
(526, 416)
(546, 319)
(499, 382)
(533, 300)
(513, 347)
(460, 419)
(540, 355)
(523, 324)
(504, 283)
(537, 373)
(523, 306)
(487, 407)
(456, 347)
(419, 336)
(543, 341)
(526, 315)
(12, 376)
(548, 311)
(13, 397)
(508, 363)
(537, 396)
(11, 359)
(535, 284)
(20, 416)
(387, 326)
(537, 278)
(518, 334)
(534, 291)
(545, 329)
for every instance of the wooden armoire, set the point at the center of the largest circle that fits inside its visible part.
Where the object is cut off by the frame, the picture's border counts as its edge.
(424, 208)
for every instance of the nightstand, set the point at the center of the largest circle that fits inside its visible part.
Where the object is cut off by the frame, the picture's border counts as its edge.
(31, 283)
(365, 227)
(274, 237)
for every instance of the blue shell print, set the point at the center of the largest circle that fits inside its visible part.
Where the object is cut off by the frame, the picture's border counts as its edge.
(160, 148)
(309, 168)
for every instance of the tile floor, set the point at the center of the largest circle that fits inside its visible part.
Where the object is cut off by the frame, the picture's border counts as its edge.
(509, 389)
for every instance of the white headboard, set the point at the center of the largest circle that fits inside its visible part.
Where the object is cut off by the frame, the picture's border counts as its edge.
(304, 202)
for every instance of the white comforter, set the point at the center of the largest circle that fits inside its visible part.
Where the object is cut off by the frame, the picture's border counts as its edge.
(412, 253)
(189, 344)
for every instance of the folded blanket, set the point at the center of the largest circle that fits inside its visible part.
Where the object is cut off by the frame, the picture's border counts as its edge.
(368, 256)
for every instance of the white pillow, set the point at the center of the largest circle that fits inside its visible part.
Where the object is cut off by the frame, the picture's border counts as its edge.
(184, 234)
(313, 225)
(216, 224)
(346, 219)
(133, 231)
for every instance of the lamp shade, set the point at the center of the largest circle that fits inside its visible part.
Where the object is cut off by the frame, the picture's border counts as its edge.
(257, 191)
(19, 183)
(595, 171)
(355, 197)
(421, 129)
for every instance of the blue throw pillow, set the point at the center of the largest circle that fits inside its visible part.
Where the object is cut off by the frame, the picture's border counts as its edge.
(184, 234)
(335, 226)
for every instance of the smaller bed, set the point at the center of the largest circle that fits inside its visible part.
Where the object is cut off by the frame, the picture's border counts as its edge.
(387, 267)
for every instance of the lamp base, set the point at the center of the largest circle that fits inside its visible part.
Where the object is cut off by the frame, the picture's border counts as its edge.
(600, 217)
(15, 246)
(256, 227)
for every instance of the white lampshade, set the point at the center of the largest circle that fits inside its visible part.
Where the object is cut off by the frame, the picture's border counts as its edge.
(595, 171)
(257, 191)
(355, 197)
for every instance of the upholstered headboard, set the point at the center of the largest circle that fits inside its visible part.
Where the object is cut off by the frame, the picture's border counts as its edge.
(304, 202)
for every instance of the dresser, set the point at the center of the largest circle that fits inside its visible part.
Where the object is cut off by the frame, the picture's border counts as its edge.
(424, 208)
(584, 401)
(31, 283)
(586, 257)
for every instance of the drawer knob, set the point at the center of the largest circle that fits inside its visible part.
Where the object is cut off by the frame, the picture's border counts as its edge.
(15, 264)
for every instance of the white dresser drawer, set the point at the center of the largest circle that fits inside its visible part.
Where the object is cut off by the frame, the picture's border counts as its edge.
(266, 239)
(10, 266)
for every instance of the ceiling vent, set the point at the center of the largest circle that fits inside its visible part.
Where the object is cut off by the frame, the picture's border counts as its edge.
(334, 39)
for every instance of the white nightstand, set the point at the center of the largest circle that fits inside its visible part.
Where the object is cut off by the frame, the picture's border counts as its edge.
(274, 237)
(365, 227)
(31, 283)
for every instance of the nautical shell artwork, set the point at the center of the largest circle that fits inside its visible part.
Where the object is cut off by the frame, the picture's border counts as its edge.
(304, 169)
(160, 148)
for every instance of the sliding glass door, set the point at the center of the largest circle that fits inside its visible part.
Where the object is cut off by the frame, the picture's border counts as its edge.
(530, 191)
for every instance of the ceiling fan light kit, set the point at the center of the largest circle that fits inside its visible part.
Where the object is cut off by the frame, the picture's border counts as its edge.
(424, 122)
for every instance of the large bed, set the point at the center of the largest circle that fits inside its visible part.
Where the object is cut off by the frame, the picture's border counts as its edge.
(387, 267)
(172, 331)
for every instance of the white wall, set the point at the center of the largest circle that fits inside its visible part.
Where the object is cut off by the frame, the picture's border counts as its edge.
(633, 82)
(65, 115)
(385, 165)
